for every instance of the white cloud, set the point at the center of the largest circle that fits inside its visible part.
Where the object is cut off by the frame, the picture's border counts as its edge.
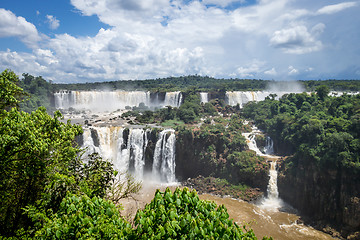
(53, 22)
(293, 71)
(271, 72)
(297, 40)
(250, 70)
(331, 9)
(13, 26)
(222, 3)
(159, 38)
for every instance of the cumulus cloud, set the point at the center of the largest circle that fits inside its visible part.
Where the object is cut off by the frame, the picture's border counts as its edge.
(250, 70)
(297, 40)
(331, 9)
(293, 71)
(271, 72)
(222, 3)
(159, 38)
(13, 26)
(53, 22)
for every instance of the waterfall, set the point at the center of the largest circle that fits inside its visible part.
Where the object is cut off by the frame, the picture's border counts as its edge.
(136, 147)
(272, 202)
(99, 101)
(164, 156)
(269, 147)
(243, 97)
(127, 151)
(272, 190)
(173, 99)
(251, 141)
(204, 97)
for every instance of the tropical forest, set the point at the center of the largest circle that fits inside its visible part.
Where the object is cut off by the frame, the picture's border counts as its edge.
(190, 157)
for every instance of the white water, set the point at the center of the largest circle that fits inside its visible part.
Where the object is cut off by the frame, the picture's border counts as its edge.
(173, 99)
(243, 97)
(129, 154)
(272, 202)
(164, 156)
(100, 101)
(204, 97)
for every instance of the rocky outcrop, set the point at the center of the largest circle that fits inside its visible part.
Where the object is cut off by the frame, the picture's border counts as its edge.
(221, 187)
(210, 156)
(326, 196)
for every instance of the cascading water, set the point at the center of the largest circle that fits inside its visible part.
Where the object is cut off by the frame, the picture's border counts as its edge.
(127, 151)
(173, 99)
(243, 97)
(94, 100)
(204, 97)
(269, 147)
(164, 156)
(136, 148)
(272, 202)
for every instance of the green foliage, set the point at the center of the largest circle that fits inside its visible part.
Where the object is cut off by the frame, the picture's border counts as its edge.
(40, 93)
(204, 83)
(42, 175)
(183, 83)
(182, 215)
(34, 149)
(10, 92)
(219, 150)
(80, 217)
(39, 162)
(124, 186)
(336, 85)
(325, 128)
(172, 123)
(322, 91)
(96, 176)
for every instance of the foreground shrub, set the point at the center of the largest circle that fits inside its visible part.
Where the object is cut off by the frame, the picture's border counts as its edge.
(182, 215)
(81, 217)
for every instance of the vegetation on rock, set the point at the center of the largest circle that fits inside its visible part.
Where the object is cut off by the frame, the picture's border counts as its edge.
(322, 134)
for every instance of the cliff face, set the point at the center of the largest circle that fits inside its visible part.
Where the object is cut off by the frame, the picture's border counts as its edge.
(213, 156)
(325, 196)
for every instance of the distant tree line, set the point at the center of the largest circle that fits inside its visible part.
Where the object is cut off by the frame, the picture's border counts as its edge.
(40, 91)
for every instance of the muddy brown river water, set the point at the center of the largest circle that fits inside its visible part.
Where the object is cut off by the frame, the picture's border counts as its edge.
(265, 222)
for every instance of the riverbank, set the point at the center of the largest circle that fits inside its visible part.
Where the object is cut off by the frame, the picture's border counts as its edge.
(221, 187)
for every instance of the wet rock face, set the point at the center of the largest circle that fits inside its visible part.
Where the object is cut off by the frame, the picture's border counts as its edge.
(95, 137)
(192, 162)
(324, 196)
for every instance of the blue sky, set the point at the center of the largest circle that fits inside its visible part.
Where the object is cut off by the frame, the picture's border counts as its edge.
(102, 40)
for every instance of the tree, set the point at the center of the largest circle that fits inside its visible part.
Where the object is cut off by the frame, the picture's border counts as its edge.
(10, 92)
(81, 217)
(35, 151)
(322, 91)
(40, 164)
(182, 215)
